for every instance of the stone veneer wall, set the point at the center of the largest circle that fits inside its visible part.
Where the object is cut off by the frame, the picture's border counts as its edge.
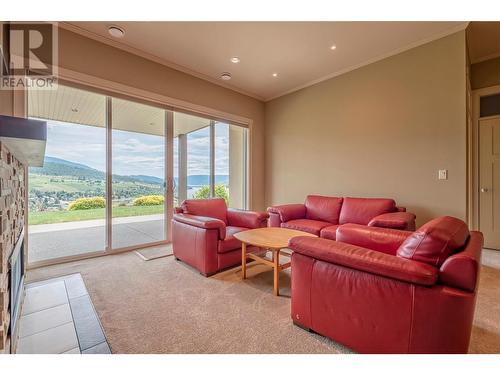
(12, 203)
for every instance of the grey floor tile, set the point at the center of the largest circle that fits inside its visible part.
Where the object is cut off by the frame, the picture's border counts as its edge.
(102, 348)
(44, 297)
(35, 284)
(73, 351)
(52, 341)
(42, 320)
(75, 286)
(87, 325)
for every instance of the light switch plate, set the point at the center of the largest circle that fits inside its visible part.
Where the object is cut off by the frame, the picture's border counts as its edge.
(443, 174)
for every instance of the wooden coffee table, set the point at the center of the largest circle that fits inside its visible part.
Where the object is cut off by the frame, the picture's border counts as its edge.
(272, 239)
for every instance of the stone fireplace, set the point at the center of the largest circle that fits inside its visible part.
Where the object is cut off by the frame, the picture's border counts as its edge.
(12, 214)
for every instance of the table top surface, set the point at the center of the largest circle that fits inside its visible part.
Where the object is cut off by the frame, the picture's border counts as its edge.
(272, 238)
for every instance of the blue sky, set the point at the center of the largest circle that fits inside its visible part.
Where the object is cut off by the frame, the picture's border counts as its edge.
(134, 153)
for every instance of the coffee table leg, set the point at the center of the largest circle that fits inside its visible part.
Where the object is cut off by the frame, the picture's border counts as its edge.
(276, 272)
(244, 260)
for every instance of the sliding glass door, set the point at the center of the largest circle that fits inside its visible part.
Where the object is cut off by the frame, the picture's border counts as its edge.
(138, 174)
(210, 160)
(67, 196)
(230, 170)
(106, 183)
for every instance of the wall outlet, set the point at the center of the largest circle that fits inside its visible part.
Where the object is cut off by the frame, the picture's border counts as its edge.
(443, 174)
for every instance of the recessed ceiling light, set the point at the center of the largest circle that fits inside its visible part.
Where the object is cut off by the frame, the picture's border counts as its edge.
(275, 74)
(225, 76)
(235, 60)
(333, 47)
(116, 32)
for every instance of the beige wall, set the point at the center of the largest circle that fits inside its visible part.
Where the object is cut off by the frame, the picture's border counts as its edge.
(90, 57)
(236, 167)
(485, 74)
(5, 103)
(382, 130)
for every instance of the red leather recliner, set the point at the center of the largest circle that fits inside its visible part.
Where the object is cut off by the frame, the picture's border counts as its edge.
(388, 291)
(202, 233)
(322, 215)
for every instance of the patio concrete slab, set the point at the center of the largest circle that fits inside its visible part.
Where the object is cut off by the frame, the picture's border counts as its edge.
(46, 245)
(91, 223)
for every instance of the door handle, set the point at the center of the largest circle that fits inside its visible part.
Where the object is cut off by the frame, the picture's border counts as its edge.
(484, 190)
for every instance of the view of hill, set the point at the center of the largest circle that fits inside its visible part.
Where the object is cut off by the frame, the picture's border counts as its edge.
(147, 179)
(60, 181)
(51, 159)
(60, 167)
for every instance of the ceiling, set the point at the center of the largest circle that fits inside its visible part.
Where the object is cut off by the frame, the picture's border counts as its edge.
(299, 52)
(72, 105)
(483, 41)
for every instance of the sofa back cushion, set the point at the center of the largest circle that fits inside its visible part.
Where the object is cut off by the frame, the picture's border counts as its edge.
(215, 207)
(323, 208)
(362, 210)
(435, 241)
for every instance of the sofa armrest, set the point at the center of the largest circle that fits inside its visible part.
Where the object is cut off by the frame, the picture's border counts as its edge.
(366, 260)
(289, 212)
(384, 240)
(246, 219)
(203, 222)
(396, 220)
(461, 270)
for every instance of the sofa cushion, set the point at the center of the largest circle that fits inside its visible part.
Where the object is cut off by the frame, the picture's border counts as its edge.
(215, 208)
(306, 225)
(230, 243)
(435, 241)
(323, 208)
(329, 232)
(362, 210)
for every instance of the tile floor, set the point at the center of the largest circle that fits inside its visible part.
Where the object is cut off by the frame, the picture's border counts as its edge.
(58, 318)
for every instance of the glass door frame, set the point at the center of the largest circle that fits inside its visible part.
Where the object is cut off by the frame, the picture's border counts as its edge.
(108, 226)
(167, 193)
(114, 90)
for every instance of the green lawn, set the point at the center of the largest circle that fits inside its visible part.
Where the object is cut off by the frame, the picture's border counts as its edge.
(50, 217)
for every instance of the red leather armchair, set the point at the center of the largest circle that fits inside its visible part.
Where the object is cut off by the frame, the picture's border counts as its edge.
(322, 215)
(388, 291)
(202, 233)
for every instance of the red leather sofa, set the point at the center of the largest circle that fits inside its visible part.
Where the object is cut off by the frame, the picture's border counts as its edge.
(202, 233)
(322, 215)
(378, 290)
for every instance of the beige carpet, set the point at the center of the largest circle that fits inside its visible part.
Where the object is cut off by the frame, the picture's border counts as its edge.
(163, 306)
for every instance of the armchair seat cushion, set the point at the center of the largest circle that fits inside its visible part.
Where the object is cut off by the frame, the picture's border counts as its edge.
(330, 232)
(230, 243)
(306, 225)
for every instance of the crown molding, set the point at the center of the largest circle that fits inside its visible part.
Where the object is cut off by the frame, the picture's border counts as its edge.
(125, 47)
(397, 51)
